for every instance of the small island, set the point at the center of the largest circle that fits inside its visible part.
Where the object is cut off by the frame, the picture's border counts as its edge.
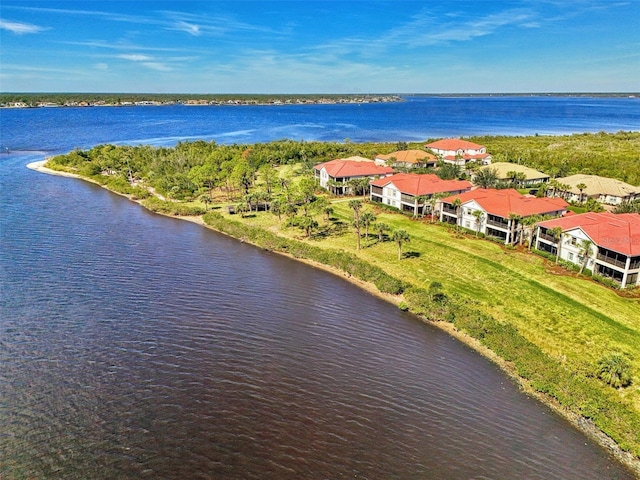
(567, 335)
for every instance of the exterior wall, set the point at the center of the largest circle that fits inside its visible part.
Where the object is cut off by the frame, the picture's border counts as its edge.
(390, 195)
(622, 269)
(324, 177)
(470, 151)
(467, 220)
(571, 246)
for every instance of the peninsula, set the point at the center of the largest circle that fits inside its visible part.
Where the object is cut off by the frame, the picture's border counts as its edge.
(548, 326)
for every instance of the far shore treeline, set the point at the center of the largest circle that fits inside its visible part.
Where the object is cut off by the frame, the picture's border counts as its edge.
(120, 99)
(44, 99)
(181, 172)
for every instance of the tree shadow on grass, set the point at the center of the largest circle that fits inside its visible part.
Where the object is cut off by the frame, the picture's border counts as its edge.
(411, 255)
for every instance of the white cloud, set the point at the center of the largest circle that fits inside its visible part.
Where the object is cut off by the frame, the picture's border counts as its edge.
(146, 60)
(20, 28)
(190, 28)
(135, 57)
(101, 66)
(161, 67)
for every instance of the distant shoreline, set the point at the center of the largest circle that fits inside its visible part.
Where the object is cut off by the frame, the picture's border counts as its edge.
(57, 100)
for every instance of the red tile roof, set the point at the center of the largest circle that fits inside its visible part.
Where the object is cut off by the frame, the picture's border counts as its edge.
(620, 233)
(409, 156)
(425, 184)
(345, 168)
(507, 201)
(454, 144)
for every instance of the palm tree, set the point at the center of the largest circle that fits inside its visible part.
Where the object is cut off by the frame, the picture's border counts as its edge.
(367, 218)
(530, 222)
(328, 211)
(486, 178)
(512, 175)
(420, 200)
(206, 199)
(581, 187)
(307, 223)
(381, 228)
(513, 220)
(457, 203)
(277, 207)
(241, 208)
(556, 233)
(357, 224)
(400, 237)
(585, 252)
(433, 200)
(356, 205)
(479, 216)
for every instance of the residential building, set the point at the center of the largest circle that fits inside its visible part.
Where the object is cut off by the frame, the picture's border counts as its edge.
(411, 192)
(615, 243)
(530, 175)
(459, 152)
(578, 188)
(497, 213)
(335, 175)
(408, 159)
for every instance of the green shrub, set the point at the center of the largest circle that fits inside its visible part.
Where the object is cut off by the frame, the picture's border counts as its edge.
(615, 369)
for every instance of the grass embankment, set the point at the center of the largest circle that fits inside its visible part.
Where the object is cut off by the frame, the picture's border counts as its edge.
(550, 329)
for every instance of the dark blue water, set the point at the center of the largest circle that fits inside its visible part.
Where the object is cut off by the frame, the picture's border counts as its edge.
(137, 346)
(416, 119)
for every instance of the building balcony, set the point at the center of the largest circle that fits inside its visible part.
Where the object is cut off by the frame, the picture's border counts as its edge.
(448, 209)
(498, 224)
(612, 261)
(547, 237)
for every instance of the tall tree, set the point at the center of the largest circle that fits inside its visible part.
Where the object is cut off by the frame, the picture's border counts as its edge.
(479, 216)
(486, 178)
(585, 251)
(557, 234)
(401, 237)
(381, 228)
(268, 175)
(581, 187)
(457, 204)
(307, 223)
(356, 205)
(513, 221)
(367, 218)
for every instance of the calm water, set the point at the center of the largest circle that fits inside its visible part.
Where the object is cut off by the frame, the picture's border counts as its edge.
(137, 346)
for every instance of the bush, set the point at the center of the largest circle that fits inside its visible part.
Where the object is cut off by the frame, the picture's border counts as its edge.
(172, 208)
(614, 369)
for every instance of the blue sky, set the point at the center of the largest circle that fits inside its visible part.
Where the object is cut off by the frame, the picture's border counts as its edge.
(308, 46)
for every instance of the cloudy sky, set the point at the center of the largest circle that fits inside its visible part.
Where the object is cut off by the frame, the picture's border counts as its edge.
(331, 46)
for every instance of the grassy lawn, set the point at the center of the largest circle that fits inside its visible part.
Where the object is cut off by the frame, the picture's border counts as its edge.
(571, 318)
